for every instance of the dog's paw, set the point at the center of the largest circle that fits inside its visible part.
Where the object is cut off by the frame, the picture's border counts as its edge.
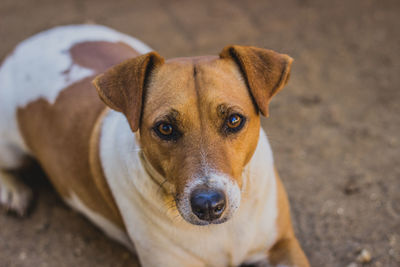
(14, 195)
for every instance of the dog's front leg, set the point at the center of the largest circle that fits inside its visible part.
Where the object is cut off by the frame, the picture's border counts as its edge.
(14, 195)
(285, 253)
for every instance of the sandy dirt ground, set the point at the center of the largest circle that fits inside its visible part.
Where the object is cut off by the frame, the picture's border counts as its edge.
(335, 129)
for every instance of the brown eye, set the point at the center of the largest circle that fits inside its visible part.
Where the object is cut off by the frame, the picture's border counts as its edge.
(234, 121)
(165, 129)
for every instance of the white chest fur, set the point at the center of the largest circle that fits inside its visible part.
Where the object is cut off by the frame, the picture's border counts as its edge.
(162, 240)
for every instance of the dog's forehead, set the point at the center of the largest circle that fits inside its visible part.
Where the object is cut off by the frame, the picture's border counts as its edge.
(185, 83)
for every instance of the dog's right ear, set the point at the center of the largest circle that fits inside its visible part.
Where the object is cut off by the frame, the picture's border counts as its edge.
(266, 72)
(122, 86)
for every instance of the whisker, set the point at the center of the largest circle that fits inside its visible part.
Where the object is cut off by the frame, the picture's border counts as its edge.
(161, 185)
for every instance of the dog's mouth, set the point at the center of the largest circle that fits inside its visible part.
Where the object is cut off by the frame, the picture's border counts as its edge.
(209, 201)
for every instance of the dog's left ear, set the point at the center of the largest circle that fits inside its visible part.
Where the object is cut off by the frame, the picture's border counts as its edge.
(122, 86)
(266, 72)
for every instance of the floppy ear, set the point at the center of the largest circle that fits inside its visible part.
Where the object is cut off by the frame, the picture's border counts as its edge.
(265, 71)
(122, 86)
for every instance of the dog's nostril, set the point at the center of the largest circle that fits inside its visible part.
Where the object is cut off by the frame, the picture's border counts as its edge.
(218, 208)
(207, 204)
(199, 211)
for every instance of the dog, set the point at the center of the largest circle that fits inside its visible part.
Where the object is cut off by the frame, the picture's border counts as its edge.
(170, 160)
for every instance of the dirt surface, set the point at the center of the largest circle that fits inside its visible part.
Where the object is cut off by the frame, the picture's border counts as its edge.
(334, 129)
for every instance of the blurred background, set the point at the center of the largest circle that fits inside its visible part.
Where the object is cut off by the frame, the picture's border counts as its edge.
(335, 129)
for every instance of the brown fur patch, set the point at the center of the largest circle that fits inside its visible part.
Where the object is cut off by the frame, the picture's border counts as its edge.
(100, 55)
(64, 137)
(97, 169)
(59, 135)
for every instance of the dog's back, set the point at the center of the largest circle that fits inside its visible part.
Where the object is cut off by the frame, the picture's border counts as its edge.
(44, 65)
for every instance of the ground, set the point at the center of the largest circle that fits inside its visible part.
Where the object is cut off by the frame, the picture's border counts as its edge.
(335, 129)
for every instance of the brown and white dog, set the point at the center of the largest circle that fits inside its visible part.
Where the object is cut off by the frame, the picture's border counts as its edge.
(179, 169)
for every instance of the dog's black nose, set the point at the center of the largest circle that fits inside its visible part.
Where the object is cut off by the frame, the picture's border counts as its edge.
(207, 204)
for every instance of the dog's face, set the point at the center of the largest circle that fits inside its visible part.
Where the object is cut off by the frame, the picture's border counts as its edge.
(198, 121)
(199, 129)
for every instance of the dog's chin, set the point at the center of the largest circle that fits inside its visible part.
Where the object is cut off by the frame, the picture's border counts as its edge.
(204, 223)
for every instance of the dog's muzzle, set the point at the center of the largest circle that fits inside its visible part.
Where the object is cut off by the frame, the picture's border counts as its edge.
(211, 199)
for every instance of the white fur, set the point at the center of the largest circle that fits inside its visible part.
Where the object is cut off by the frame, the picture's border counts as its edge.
(109, 228)
(41, 67)
(162, 239)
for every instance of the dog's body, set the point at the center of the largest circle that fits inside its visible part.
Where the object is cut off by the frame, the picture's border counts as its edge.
(50, 111)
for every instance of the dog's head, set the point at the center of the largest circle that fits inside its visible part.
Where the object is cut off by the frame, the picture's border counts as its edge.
(198, 120)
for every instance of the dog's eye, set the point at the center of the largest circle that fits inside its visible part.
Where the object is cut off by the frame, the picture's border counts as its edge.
(166, 131)
(234, 123)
